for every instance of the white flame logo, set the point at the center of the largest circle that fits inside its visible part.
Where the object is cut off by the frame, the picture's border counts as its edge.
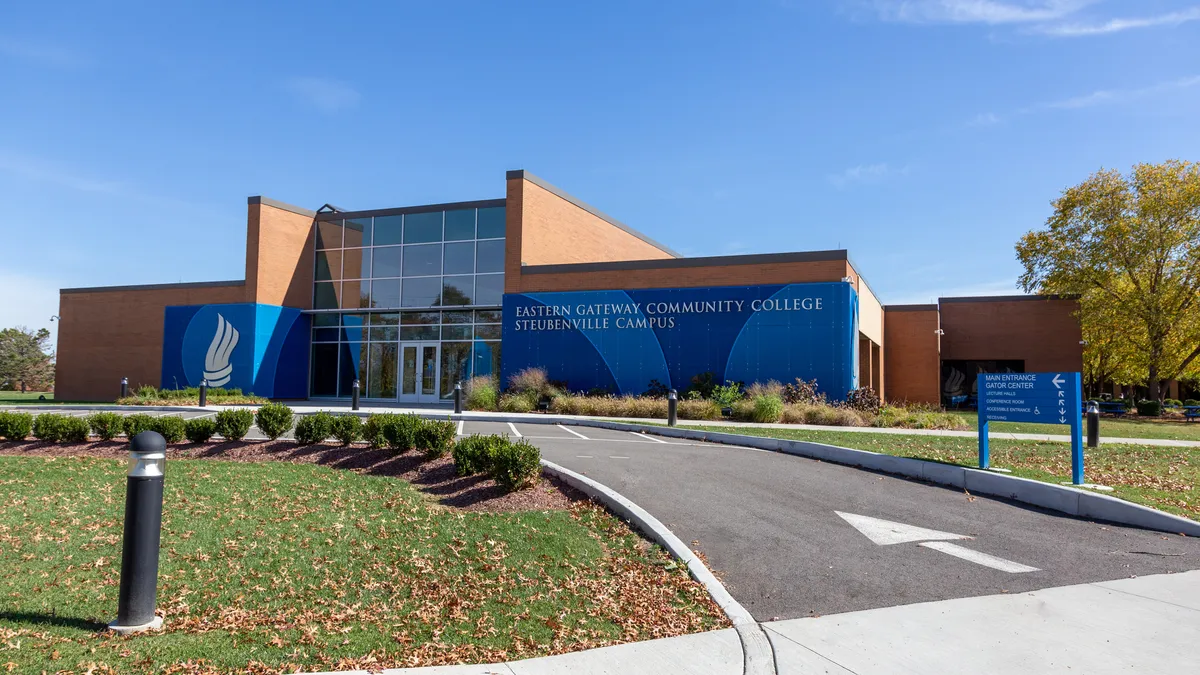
(216, 363)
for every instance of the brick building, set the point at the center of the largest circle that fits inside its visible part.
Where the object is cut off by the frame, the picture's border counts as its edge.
(411, 300)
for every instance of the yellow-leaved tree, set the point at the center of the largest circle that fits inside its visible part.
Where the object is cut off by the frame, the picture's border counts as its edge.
(1130, 247)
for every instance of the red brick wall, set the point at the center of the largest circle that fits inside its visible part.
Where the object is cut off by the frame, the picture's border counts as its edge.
(1043, 332)
(910, 346)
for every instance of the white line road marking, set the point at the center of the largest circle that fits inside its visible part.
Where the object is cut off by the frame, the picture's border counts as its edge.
(572, 431)
(979, 558)
(617, 457)
(886, 532)
(657, 440)
(460, 426)
(200, 417)
(583, 456)
(514, 429)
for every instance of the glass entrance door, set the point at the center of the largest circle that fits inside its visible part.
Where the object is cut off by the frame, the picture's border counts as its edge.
(418, 372)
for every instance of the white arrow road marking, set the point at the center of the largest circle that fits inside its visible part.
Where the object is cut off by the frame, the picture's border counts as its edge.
(460, 426)
(886, 532)
(514, 429)
(1058, 381)
(572, 431)
(979, 558)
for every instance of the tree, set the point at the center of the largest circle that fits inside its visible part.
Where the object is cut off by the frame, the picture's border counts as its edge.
(25, 359)
(1130, 247)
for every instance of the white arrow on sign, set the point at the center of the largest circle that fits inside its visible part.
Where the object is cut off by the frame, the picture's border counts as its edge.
(1062, 394)
(1062, 420)
(1058, 381)
(887, 532)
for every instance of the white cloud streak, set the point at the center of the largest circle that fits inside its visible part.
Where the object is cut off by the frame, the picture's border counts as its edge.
(865, 173)
(328, 96)
(1106, 96)
(992, 12)
(1119, 25)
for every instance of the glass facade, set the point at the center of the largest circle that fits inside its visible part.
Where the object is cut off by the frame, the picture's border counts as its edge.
(386, 289)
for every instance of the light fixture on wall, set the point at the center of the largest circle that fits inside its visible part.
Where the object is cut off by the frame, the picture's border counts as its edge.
(847, 280)
(939, 332)
(1083, 342)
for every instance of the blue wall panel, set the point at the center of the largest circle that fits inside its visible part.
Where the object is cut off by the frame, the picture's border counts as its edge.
(621, 340)
(256, 348)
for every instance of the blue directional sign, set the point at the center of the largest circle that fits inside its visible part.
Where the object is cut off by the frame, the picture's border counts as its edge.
(1046, 398)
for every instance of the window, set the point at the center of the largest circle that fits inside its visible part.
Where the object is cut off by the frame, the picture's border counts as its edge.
(329, 234)
(381, 373)
(355, 294)
(458, 290)
(489, 289)
(487, 316)
(421, 292)
(490, 332)
(353, 327)
(421, 228)
(358, 233)
(487, 358)
(490, 256)
(385, 294)
(353, 366)
(329, 266)
(418, 332)
(457, 316)
(459, 258)
(456, 365)
(420, 261)
(325, 295)
(460, 225)
(491, 223)
(356, 263)
(456, 332)
(388, 230)
(386, 262)
(324, 370)
(419, 318)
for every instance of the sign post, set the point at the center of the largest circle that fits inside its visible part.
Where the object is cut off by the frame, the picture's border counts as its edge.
(1044, 398)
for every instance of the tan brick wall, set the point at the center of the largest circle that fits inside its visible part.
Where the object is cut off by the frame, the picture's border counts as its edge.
(545, 229)
(279, 257)
(1042, 332)
(689, 277)
(910, 350)
(106, 335)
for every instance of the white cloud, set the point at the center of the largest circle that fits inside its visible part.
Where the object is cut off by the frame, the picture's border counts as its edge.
(328, 96)
(42, 53)
(991, 12)
(29, 301)
(1117, 25)
(1116, 95)
(866, 173)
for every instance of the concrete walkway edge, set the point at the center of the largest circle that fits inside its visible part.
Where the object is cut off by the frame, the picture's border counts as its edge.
(756, 648)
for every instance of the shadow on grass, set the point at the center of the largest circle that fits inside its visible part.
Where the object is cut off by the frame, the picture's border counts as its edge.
(52, 620)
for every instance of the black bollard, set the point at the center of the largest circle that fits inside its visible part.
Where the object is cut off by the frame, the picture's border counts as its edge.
(672, 407)
(124, 387)
(1093, 425)
(143, 526)
(203, 393)
(354, 395)
(458, 399)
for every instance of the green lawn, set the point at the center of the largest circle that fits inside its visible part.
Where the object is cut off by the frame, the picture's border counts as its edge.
(1161, 477)
(1110, 427)
(274, 567)
(9, 397)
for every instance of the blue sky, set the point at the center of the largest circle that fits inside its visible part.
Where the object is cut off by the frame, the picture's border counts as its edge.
(924, 135)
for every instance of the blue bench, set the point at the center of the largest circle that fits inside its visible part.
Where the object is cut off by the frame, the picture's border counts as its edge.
(1191, 412)
(1116, 408)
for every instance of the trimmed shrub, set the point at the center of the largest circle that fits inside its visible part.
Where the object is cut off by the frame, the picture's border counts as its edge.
(233, 425)
(522, 402)
(473, 454)
(347, 428)
(313, 429)
(75, 430)
(15, 426)
(274, 420)
(401, 432)
(1149, 408)
(137, 423)
(864, 400)
(373, 430)
(482, 393)
(49, 427)
(1191, 401)
(1172, 403)
(106, 425)
(199, 430)
(435, 437)
(767, 408)
(172, 428)
(516, 465)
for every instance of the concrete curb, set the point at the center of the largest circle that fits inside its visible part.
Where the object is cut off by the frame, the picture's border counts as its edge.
(756, 648)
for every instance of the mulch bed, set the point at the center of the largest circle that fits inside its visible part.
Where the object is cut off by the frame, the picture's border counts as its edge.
(435, 478)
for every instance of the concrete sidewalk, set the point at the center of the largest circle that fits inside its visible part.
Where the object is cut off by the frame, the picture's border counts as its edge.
(1145, 625)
